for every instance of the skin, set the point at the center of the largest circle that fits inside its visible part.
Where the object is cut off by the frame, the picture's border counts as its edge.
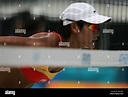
(83, 38)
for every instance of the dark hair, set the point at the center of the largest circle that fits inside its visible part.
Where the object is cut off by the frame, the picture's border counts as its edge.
(65, 31)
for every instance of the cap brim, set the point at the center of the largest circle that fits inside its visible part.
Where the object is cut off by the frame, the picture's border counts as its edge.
(97, 19)
(66, 22)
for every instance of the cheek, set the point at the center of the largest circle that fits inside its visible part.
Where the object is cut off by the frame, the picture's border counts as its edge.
(88, 36)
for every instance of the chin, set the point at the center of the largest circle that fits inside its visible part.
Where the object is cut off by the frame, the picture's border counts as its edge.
(92, 47)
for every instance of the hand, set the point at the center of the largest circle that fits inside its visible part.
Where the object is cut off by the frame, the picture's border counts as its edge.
(54, 69)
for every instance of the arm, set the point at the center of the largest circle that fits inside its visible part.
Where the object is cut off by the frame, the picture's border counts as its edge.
(37, 40)
(22, 41)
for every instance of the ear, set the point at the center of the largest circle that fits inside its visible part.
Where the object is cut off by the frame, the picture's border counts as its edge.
(74, 28)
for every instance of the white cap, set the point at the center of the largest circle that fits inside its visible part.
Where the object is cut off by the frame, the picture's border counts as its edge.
(82, 11)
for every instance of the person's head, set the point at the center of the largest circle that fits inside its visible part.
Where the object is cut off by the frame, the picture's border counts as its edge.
(80, 25)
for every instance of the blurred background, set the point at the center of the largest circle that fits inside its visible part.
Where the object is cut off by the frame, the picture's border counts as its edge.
(26, 17)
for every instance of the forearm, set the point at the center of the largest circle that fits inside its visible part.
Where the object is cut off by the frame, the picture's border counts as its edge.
(11, 40)
(19, 41)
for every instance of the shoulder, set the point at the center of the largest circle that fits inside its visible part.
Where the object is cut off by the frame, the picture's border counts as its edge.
(45, 34)
(51, 38)
(39, 34)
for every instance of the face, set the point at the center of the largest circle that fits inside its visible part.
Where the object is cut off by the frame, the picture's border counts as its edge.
(87, 36)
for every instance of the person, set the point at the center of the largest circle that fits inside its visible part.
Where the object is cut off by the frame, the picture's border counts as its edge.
(80, 24)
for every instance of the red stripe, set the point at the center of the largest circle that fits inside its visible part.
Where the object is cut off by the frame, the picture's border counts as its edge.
(58, 36)
(34, 76)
